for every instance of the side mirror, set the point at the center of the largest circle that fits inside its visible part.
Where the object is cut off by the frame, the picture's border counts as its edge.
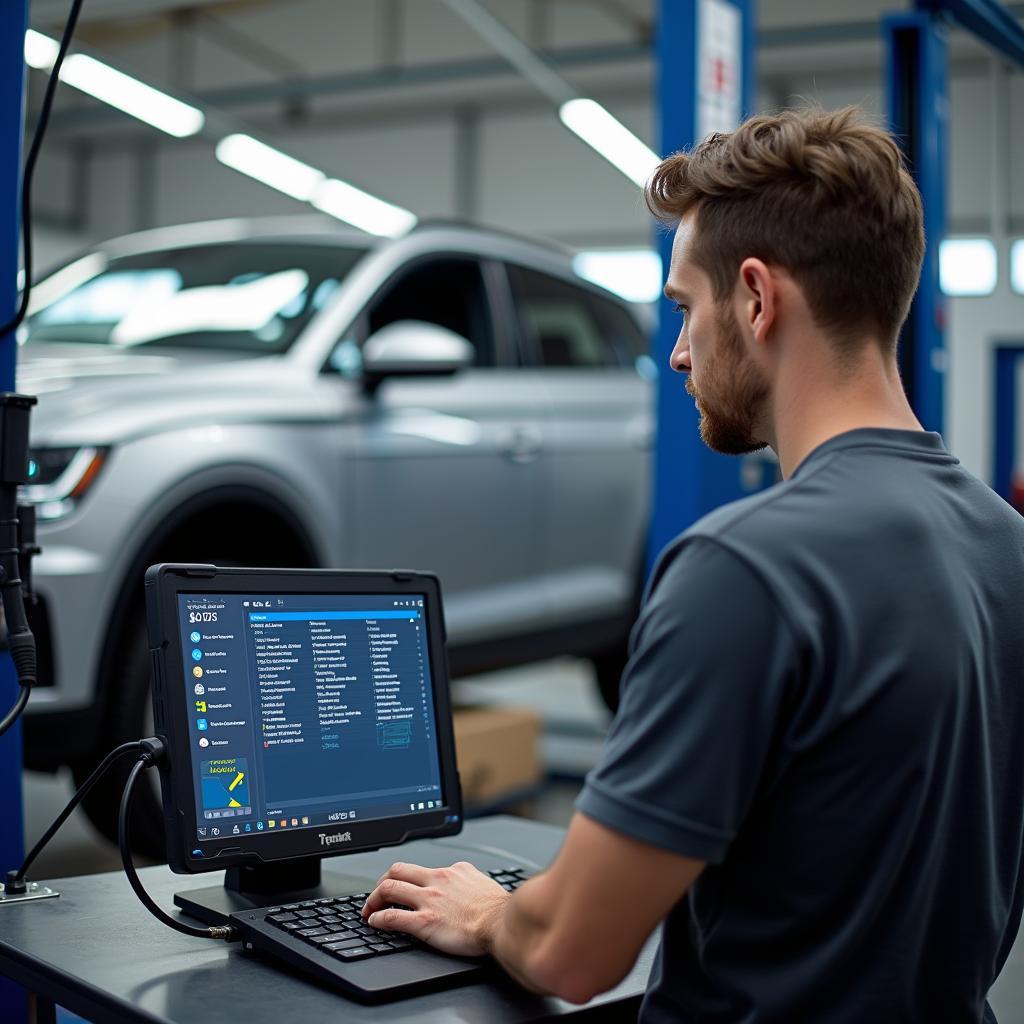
(414, 348)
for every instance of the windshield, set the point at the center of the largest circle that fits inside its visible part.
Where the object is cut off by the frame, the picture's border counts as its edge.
(239, 296)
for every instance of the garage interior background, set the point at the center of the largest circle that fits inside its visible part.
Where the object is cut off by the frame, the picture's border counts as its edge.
(401, 97)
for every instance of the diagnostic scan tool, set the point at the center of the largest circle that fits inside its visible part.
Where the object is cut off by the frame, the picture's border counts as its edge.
(305, 714)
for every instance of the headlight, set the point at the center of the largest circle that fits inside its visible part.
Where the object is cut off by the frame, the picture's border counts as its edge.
(58, 478)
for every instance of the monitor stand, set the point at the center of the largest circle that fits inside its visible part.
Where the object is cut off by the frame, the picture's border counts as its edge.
(267, 885)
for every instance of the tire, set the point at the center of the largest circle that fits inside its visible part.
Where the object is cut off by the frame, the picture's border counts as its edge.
(220, 523)
(128, 716)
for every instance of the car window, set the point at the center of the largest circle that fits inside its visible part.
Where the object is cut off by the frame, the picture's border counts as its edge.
(620, 330)
(559, 321)
(243, 296)
(446, 291)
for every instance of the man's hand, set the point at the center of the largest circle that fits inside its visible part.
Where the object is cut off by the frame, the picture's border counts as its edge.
(571, 931)
(454, 909)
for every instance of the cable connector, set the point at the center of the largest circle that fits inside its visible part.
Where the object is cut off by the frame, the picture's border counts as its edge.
(154, 750)
(14, 885)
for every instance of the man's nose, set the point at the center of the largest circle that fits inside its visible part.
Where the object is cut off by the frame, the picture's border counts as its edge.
(680, 358)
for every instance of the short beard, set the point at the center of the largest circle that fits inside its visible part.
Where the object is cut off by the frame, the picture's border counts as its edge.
(732, 396)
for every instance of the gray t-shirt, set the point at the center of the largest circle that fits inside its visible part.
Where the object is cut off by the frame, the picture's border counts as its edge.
(825, 702)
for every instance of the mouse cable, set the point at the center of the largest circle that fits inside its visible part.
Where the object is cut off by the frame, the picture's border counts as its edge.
(151, 756)
(30, 166)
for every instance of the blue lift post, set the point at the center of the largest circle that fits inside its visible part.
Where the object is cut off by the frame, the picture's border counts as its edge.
(13, 22)
(916, 70)
(918, 109)
(689, 479)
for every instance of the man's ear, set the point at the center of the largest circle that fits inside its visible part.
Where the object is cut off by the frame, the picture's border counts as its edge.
(759, 298)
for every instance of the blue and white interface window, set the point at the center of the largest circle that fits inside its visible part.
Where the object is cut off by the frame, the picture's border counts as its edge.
(307, 710)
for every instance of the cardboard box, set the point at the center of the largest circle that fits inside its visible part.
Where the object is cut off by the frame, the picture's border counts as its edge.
(497, 753)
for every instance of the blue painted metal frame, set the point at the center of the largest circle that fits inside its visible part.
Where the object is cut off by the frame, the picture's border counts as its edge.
(989, 20)
(918, 111)
(13, 22)
(1004, 416)
(689, 480)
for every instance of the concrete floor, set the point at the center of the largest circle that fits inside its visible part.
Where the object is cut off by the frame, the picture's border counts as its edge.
(574, 724)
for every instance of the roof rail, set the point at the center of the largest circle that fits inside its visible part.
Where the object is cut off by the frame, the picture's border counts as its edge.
(469, 225)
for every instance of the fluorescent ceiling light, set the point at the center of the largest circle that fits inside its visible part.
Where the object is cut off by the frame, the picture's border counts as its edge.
(1017, 266)
(115, 88)
(610, 137)
(270, 166)
(968, 266)
(354, 206)
(132, 96)
(40, 51)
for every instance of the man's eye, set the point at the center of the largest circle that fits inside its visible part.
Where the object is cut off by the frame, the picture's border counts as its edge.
(681, 310)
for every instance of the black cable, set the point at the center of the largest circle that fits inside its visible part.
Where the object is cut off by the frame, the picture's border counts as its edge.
(30, 166)
(19, 705)
(216, 932)
(16, 879)
(20, 641)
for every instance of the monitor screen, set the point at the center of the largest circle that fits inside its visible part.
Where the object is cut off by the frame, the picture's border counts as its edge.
(307, 710)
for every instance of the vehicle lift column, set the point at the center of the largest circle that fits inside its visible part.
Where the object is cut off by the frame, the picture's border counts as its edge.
(689, 479)
(917, 63)
(918, 112)
(13, 23)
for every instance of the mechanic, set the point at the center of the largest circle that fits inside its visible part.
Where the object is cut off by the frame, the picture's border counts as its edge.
(814, 781)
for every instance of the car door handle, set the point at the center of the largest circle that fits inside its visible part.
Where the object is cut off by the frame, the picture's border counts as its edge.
(523, 444)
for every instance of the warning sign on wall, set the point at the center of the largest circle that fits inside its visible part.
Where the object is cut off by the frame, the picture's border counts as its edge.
(719, 67)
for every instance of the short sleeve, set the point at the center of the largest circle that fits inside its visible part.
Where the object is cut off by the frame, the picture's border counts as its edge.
(702, 697)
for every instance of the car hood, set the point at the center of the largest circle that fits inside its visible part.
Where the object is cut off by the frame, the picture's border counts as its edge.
(90, 395)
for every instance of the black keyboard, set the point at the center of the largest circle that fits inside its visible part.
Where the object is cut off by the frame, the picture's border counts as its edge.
(328, 939)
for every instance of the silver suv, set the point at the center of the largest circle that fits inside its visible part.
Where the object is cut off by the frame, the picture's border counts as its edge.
(285, 393)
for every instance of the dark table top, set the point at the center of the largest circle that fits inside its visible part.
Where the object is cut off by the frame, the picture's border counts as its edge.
(97, 951)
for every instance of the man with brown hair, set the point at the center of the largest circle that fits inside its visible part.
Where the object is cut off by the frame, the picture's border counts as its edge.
(814, 780)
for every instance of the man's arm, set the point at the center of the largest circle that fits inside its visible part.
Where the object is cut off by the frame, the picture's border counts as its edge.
(715, 664)
(573, 931)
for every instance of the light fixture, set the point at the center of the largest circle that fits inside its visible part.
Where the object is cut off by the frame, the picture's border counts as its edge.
(635, 274)
(40, 51)
(241, 152)
(270, 166)
(359, 208)
(115, 88)
(968, 266)
(609, 137)
(1017, 266)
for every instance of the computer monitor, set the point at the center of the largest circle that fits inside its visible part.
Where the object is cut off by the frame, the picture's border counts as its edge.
(306, 713)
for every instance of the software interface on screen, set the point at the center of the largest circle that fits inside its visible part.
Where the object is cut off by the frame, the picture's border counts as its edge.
(307, 710)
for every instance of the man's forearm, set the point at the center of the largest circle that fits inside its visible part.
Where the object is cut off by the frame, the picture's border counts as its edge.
(515, 931)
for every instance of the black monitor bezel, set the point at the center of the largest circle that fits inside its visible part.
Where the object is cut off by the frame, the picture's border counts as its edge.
(163, 584)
